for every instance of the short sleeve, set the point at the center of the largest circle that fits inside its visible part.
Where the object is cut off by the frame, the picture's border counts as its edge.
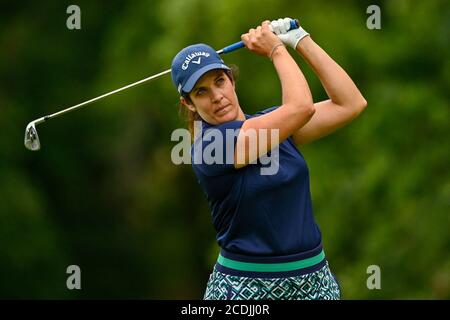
(212, 153)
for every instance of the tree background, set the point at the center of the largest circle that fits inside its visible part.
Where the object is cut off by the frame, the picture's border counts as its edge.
(103, 193)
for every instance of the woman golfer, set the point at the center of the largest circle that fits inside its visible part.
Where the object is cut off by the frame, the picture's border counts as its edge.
(271, 246)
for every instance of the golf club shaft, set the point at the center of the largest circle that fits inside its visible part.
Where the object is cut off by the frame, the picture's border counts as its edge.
(230, 48)
(54, 115)
(227, 49)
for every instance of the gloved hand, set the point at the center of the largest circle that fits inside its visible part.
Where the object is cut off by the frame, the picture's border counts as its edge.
(291, 38)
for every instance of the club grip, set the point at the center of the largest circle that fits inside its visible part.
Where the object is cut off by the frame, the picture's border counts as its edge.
(294, 25)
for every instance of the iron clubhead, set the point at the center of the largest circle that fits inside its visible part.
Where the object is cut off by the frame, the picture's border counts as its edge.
(31, 137)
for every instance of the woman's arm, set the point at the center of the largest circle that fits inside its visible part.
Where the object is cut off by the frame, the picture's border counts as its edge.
(345, 103)
(297, 105)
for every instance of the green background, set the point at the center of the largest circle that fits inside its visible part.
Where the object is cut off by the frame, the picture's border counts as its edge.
(103, 193)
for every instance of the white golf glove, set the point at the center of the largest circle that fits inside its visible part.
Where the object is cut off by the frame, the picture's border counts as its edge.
(291, 37)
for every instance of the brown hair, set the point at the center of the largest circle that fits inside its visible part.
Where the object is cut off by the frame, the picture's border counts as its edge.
(191, 116)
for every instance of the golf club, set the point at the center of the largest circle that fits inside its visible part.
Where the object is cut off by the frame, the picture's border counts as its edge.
(31, 136)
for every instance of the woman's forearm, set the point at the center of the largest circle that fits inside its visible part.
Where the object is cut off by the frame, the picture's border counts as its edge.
(336, 82)
(295, 89)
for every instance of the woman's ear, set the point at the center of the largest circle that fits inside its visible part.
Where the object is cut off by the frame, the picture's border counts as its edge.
(188, 104)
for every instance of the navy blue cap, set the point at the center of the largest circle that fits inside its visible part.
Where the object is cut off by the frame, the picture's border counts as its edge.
(191, 63)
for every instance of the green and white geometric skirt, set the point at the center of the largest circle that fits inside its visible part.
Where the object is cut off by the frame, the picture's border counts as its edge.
(297, 277)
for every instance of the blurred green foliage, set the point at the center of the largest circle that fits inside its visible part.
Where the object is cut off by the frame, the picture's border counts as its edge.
(103, 193)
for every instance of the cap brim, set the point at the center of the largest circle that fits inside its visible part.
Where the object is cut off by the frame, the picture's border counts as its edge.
(190, 83)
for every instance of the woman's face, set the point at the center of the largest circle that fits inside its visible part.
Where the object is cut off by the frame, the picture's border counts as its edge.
(214, 98)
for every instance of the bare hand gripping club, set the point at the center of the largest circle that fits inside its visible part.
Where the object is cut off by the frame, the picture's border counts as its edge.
(31, 136)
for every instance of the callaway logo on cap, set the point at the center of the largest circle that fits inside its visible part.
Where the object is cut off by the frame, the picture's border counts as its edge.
(191, 63)
(191, 58)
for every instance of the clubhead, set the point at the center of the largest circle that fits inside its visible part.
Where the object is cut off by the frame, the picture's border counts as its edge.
(31, 137)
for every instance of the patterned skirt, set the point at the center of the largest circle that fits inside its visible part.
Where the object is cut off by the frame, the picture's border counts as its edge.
(307, 278)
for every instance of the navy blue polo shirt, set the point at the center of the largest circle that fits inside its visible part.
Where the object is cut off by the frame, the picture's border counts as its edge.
(252, 213)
